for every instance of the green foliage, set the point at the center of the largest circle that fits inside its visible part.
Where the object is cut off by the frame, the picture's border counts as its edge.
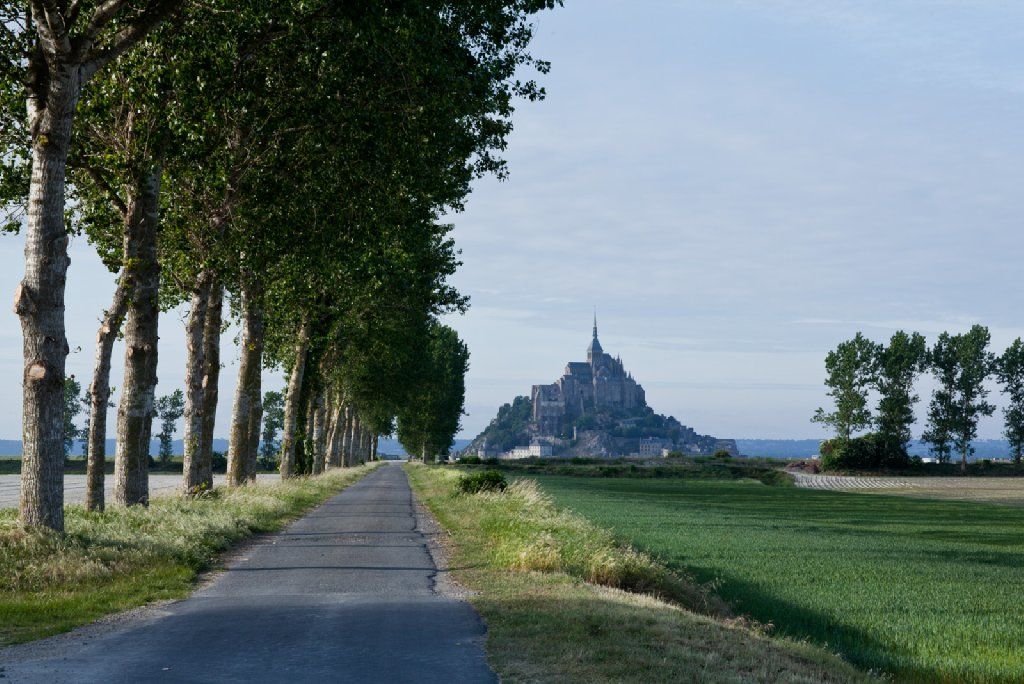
(897, 366)
(922, 590)
(72, 407)
(1009, 369)
(483, 481)
(873, 451)
(427, 425)
(169, 409)
(850, 371)
(961, 364)
(273, 422)
(508, 428)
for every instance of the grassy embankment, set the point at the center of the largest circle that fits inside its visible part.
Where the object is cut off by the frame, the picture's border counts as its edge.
(546, 583)
(925, 590)
(126, 557)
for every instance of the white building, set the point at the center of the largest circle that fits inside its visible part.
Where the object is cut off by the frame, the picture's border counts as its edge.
(532, 451)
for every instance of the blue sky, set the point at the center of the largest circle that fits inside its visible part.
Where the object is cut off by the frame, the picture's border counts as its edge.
(737, 186)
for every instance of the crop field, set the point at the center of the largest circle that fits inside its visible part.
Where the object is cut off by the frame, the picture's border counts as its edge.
(920, 589)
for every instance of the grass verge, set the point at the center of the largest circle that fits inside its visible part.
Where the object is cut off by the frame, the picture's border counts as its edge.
(929, 591)
(552, 588)
(126, 557)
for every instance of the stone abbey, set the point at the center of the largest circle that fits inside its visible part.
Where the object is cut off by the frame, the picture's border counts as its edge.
(596, 408)
(601, 382)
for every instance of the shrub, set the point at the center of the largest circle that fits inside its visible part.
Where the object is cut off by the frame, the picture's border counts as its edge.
(471, 460)
(868, 452)
(485, 481)
(722, 453)
(218, 462)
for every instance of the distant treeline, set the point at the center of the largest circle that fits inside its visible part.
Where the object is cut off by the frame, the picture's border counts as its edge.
(806, 448)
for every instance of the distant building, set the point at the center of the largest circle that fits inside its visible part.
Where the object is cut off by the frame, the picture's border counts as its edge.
(601, 382)
(654, 446)
(532, 451)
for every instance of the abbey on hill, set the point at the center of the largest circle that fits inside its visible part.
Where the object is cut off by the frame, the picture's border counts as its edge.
(595, 409)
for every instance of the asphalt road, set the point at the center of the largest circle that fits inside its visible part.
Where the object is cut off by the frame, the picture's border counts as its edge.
(346, 594)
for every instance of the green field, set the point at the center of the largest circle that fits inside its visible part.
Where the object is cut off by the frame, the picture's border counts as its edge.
(924, 590)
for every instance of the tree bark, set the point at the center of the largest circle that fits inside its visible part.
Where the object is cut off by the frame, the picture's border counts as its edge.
(211, 381)
(195, 391)
(373, 447)
(255, 421)
(39, 299)
(99, 396)
(319, 414)
(291, 401)
(345, 436)
(247, 398)
(135, 414)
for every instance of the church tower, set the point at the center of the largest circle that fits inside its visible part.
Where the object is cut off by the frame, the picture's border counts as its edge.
(595, 347)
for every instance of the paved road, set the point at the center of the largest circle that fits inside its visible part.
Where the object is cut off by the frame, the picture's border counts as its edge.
(345, 594)
(74, 486)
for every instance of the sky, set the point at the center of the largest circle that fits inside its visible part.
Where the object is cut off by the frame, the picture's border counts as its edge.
(736, 185)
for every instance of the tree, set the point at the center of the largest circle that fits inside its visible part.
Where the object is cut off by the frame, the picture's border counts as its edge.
(961, 364)
(169, 410)
(273, 422)
(72, 407)
(51, 50)
(429, 421)
(896, 367)
(850, 371)
(1009, 370)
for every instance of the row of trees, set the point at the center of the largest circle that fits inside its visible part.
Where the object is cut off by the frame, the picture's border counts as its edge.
(281, 164)
(960, 364)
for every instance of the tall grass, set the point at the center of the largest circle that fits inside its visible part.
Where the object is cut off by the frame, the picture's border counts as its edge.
(559, 597)
(125, 557)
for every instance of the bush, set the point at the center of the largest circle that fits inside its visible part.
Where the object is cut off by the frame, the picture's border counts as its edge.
(218, 462)
(869, 452)
(722, 453)
(471, 460)
(485, 481)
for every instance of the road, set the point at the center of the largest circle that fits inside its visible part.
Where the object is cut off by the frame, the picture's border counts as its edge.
(74, 486)
(346, 594)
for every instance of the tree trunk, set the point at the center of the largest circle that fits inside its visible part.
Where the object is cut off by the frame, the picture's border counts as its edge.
(99, 397)
(291, 402)
(373, 447)
(345, 438)
(135, 414)
(353, 440)
(211, 382)
(39, 299)
(247, 391)
(255, 421)
(319, 413)
(195, 391)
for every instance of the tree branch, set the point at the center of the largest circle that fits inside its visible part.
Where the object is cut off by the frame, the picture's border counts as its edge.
(51, 25)
(126, 38)
(98, 178)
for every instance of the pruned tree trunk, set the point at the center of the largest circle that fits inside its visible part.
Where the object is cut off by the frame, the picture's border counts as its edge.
(337, 433)
(255, 421)
(211, 381)
(319, 413)
(99, 397)
(345, 436)
(291, 401)
(39, 299)
(353, 432)
(135, 414)
(195, 391)
(247, 391)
